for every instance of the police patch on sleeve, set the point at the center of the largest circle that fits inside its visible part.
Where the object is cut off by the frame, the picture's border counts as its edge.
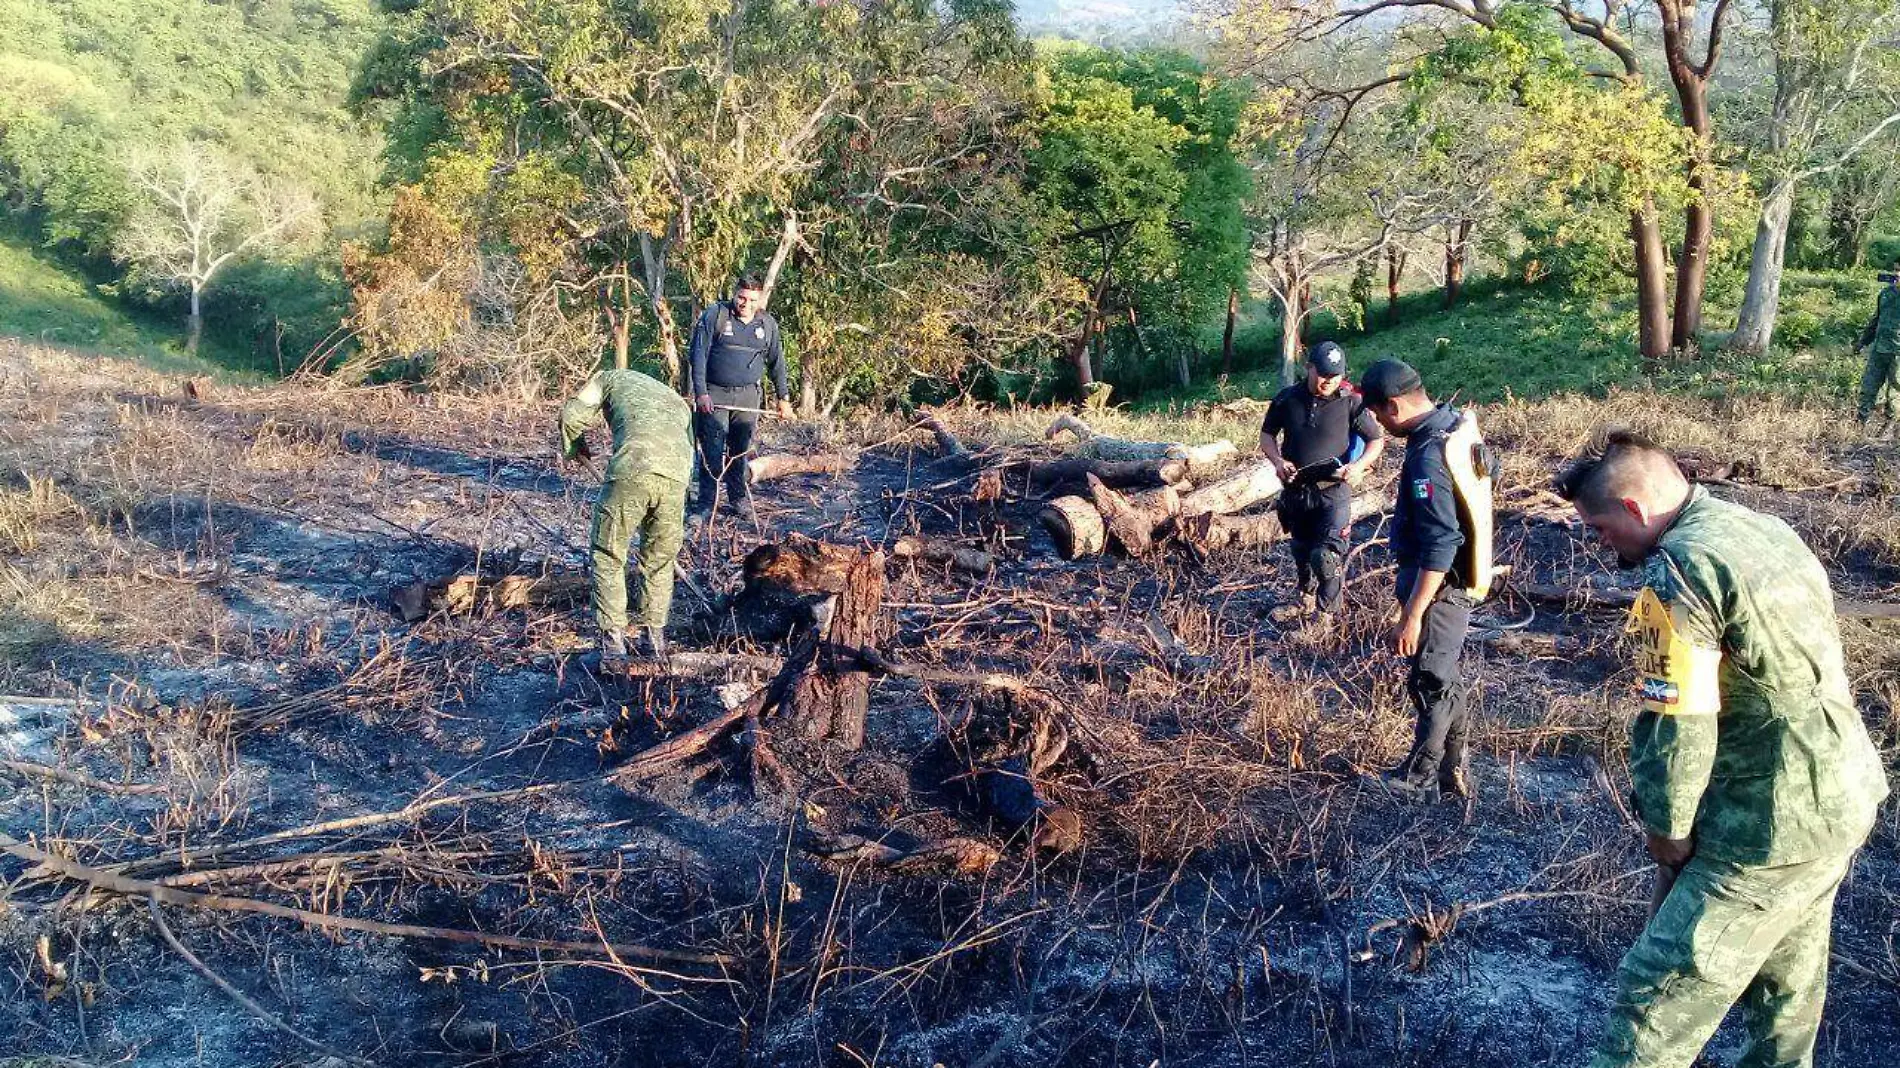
(1674, 676)
(1421, 489)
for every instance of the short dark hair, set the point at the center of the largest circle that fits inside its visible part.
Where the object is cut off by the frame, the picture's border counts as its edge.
(749, 280)
(1614, 469)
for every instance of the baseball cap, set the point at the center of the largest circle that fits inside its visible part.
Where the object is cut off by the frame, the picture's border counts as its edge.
(1328, 359)
(1387, 379)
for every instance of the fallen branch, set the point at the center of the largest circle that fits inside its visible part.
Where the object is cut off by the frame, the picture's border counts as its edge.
(784, 464)
(947, 442)
(78, 778)
(959, 856)
(1588, 598)
(932, 551)
(244, 1000)
(99, 879)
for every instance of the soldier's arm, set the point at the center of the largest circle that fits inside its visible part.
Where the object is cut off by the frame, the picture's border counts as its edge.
(775, 362)
(1673, 738)
(1867, 335)
(580, 414)
(700, 349)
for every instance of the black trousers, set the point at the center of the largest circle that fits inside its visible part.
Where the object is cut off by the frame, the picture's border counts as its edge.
(1318, 522)
(1436, 685)
(725, 443)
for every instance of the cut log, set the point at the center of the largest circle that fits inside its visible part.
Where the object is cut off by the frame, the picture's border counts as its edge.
(1076, 527)
(1209, 532)
(1129, 526)
(932, 551)
(1056, 476)
(783, 464)
(1240, 490)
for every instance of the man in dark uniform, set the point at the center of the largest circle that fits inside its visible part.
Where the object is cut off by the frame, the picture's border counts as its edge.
(1308, 436)
(734, 344)
(1435, 611)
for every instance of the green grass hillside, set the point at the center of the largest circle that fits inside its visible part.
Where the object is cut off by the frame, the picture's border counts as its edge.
(41, 302)
(1536, 342)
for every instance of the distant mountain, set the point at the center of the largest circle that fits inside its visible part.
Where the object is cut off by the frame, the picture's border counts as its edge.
(1100, 19)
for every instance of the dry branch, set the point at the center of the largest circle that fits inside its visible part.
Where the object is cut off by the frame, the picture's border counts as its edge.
(78, 778)
(953, 856)
(244, 1000)
(99, 879)
(1587, 598)
(1199, 459)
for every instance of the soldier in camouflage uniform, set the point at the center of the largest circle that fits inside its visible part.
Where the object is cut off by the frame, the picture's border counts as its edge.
(1754, 775)
(644, 492)
(1881, 339)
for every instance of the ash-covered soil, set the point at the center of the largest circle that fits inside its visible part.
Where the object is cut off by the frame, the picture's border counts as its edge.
(198, 629)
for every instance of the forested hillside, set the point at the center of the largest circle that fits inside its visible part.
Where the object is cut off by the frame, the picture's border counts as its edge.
(506, 195)
(106, 106)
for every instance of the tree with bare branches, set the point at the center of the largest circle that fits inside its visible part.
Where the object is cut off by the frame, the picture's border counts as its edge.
(1836, 94)
(199, 212)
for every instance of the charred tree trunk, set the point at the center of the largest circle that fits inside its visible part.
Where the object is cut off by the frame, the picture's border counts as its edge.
(834, 595)
(1227, 335)
(831, 703)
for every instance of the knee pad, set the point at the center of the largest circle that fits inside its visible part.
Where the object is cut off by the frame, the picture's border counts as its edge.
(1325, 561)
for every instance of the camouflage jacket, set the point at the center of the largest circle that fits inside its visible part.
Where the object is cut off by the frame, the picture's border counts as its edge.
(650, 422)
(1748, 736)
(1883, 330)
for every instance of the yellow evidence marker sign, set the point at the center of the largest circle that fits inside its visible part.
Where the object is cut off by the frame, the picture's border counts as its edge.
(1676, 677)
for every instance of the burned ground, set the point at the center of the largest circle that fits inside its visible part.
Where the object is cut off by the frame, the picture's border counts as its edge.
(196, 617)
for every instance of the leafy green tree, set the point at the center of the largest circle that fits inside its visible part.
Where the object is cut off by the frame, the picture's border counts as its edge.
(1135, 178)
(1836, 93)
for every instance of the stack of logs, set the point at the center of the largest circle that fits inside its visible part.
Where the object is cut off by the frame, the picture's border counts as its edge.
(1135, 493)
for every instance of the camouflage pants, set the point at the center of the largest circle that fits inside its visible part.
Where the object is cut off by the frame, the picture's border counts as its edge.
(1880, 375)
(1728, 932)
(654, 507)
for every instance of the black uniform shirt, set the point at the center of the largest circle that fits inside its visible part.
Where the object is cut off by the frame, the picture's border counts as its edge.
(1426, 533)
(730, 353)
(1314, 429)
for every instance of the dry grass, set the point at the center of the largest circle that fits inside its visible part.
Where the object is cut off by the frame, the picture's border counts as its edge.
(1234, 844)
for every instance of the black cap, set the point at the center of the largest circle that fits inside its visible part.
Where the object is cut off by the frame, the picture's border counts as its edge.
(1328, 359)
(1387, 379)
